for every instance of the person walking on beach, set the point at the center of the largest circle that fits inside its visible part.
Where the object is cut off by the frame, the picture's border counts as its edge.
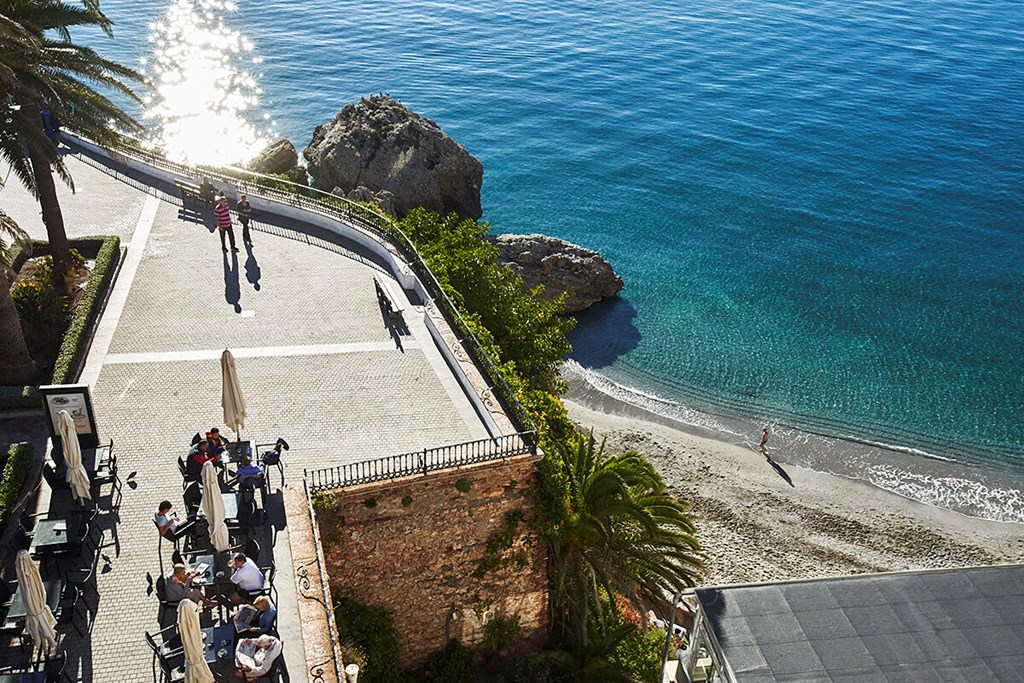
(244, 211)
(764, 442)
(223, 216)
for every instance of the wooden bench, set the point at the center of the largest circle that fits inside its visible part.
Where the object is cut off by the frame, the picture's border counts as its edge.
(388, 301)
(193, 191)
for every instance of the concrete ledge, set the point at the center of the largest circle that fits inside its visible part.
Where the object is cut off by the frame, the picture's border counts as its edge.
(314, 612)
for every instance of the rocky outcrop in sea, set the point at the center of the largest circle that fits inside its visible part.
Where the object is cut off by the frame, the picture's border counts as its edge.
(382, 145)
(561, 267)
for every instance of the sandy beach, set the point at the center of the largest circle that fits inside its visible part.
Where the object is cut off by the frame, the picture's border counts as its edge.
(756, 526)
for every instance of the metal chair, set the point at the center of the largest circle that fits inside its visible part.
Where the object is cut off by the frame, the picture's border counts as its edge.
(161, 594)
(106, 473)
(69, 608)
(276, 447)
(167, 651)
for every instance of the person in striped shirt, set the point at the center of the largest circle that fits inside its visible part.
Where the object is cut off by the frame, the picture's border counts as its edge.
(223, 216)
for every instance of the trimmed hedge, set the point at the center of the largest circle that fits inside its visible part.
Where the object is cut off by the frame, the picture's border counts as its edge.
(16, 470)
(87, 306)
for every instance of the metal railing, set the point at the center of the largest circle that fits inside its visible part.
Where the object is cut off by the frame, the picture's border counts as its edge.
(418, 462)
(316, 671)
(384, 229)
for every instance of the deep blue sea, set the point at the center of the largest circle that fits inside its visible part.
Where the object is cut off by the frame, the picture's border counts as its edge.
(817, 206)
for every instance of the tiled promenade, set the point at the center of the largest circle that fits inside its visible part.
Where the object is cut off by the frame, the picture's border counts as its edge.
(316, 362)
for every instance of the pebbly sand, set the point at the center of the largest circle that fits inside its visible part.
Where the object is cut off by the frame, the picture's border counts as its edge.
(757, 527)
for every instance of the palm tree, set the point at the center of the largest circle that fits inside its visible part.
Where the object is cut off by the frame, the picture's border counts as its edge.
(16, 365)
(41, 67)
(618, 532)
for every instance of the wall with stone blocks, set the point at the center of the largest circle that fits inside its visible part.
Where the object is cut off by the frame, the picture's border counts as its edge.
(412, 546)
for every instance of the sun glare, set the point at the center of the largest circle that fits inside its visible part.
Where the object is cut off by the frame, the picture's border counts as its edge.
(204, 101)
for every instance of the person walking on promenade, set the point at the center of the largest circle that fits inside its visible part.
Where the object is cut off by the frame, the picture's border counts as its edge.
(223, 216)
(764, 442)
(244, 212)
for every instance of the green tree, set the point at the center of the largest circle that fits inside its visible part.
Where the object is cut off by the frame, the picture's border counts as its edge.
(41, 68)
(16, 365)
(615, 531)
(530, 332)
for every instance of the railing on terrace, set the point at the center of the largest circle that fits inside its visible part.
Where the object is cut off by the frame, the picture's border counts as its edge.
(384, 229)
(418, 462)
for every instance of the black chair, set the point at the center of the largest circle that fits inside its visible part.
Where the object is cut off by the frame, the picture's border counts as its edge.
(105, 474)
(197, 438)
(186, 478)
(168, 653)
(263, 451)
(68, 610)
(85, 581)
(193, 498)
(161, 594)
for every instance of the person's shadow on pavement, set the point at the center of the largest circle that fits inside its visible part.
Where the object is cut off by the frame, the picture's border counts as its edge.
(252, 268)
(232, 291)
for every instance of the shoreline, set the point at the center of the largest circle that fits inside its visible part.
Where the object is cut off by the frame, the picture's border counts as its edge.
(757, 527)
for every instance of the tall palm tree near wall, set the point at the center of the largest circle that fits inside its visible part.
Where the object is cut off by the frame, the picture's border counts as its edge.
(16, 365)
(40, 67)
(618, 533)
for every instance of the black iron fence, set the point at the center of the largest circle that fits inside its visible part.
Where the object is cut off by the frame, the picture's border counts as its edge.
(384, 229)
(418, 462)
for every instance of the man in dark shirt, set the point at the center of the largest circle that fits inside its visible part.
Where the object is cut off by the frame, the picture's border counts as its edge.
(244, 212)
(198, 455)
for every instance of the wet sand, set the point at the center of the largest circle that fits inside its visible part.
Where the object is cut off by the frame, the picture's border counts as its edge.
(757, 526)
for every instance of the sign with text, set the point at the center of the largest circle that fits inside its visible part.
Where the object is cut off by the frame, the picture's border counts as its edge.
(75, 399)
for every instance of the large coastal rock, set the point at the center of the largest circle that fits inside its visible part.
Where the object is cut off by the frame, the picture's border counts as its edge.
(561, 267)
(279, 157)
(383, 145)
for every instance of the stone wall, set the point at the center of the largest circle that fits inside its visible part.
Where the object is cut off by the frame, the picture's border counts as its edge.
(413, 545)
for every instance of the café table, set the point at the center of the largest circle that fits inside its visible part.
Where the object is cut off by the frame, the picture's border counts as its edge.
(54, 589)
(236, 450)
(219, 643)
(230, 506)
(55, 535)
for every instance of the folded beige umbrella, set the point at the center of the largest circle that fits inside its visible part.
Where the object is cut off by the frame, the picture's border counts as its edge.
(77, 477)
(40, 624)
(213, 508)
(196, 668)
(231, 398)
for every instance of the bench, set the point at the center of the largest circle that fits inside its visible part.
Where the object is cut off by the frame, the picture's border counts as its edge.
(388, 301)
(193, 191)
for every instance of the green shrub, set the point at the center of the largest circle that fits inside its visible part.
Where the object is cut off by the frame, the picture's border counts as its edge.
(16, 469)
(373, 630)
(87, 309)
(453, 664)
(406, 501)
(42, 307)
(500, 634)
(639, 654)
(464, 485)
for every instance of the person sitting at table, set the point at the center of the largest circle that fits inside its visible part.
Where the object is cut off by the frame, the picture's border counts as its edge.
(179, 586)
(247, 576)
(249, 470)
(198, 455)
(217, 442)
(255, 656)
(170, 526)
(258, 622)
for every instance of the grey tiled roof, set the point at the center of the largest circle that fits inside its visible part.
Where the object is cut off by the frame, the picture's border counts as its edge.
(949, 625)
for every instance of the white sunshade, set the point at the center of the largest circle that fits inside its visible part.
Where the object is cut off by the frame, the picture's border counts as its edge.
(231, 398)
(40, 623)
(213, 508)
(77, 477)
(196, 668)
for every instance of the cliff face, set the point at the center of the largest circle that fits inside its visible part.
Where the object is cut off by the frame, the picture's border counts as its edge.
(381, 144)
(561, 267)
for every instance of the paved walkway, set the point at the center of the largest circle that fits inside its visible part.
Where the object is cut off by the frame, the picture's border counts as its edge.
(317, 364)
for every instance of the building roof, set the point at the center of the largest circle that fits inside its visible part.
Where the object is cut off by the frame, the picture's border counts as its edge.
(957, 624)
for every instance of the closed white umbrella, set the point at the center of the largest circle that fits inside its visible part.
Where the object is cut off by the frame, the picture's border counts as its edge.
(231, 398)
(196, 668)
(77, 477)
(40, 624)
(213, 508)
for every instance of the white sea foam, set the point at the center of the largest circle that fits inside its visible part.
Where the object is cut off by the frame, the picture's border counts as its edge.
(954, 493)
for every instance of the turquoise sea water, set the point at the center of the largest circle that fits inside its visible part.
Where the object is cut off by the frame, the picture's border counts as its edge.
(817, 206)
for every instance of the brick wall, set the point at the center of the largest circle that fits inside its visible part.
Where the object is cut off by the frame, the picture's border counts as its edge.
(412, 546)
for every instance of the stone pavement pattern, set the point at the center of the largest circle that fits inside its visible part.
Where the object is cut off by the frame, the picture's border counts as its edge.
(315, 360)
